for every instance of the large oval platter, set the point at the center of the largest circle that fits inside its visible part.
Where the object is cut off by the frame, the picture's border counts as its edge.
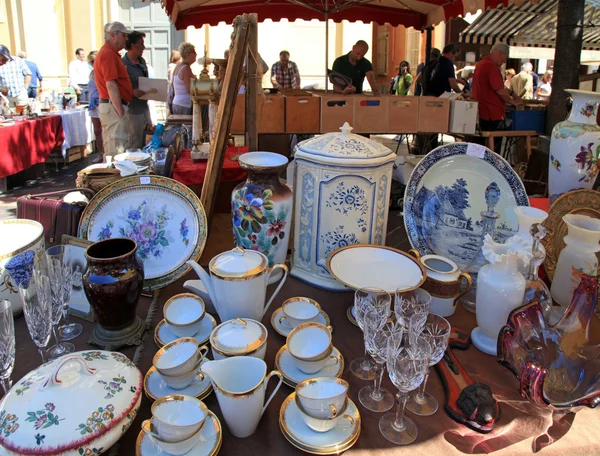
(445, 196)
(164, 217)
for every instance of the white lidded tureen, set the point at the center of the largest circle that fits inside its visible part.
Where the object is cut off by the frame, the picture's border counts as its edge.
(75, 405)
(342, 185)
(239, 337)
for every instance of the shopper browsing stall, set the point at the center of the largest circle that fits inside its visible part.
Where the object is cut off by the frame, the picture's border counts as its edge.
(356, 67)
(285, 74)
(139, 113)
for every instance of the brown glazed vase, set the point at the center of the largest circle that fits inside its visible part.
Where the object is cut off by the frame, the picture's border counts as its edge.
(113, 281)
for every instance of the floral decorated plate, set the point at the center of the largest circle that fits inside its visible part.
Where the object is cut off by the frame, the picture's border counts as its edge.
(76, 404)
(164, 217)
(209, 443)
(445, 196)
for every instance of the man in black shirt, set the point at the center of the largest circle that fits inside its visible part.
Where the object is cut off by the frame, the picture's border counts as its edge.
(443, 77)
(356, 67)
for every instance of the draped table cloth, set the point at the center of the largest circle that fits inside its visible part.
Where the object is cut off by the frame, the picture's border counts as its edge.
(28, 142)
(78, 129)
(521, 429)
(189, 173)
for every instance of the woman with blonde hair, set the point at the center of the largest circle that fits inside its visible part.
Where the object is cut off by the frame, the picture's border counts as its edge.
(182, 77)
(510, 73)
(544, 90)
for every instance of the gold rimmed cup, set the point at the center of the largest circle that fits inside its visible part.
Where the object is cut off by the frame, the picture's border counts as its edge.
(184, 313)
(179, 357)
(299, 310)
(310, 342)
(177, 417)
(322, 397)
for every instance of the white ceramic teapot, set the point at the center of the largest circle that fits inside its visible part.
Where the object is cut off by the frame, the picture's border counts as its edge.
(238, 281)
(240, 384)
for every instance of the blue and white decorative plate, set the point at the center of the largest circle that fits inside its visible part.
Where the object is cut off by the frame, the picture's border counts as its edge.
(445, 196)
(164, 217)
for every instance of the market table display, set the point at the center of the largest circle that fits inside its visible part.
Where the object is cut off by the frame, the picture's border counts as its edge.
(28, 142)
(189, 173)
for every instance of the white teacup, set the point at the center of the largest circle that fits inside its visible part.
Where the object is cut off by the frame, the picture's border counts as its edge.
(184, 313)
(179, 382)
(312, 367)
(179, 357)
(299, 310)
(177, 417)
(324, 425)
(174, 448)
(310, 341)
(322, 397)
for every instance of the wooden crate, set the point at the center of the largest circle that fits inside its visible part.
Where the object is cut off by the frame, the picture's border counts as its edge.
(270, 111)
(434, 115)
(370, 114)
(402, 114)
(302, 112)
(335, 110)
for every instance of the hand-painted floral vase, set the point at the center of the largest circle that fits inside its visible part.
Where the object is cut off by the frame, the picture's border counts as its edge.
(342, 189)
(261, 208)
(113, 281)
(575, 146)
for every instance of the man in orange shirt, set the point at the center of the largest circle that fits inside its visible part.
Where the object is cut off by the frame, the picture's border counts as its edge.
(114, 88)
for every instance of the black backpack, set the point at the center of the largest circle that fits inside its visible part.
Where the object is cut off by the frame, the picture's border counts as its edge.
(428, 75)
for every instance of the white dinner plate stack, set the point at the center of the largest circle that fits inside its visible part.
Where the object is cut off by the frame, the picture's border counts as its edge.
(141, 159)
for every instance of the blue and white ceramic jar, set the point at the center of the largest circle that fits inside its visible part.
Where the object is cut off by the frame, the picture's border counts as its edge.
(575, 146)
(342, 187)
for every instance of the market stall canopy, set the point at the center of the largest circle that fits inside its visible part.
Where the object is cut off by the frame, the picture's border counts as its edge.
(530, 25)
(410, 13)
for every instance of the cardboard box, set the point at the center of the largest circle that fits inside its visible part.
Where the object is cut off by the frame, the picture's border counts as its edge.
(335, 110)
(302, 112)
(402, 114)
(270, 111)
(463, 114)
(434, 115)
(370, 114)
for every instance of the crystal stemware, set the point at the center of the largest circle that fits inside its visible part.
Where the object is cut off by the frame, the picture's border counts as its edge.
(62, 278)
(407, 365)
(61, 348)
(409, 303)
(7, 344)
(364, 297)
(377, 331)
(37, 307)
(437, 332)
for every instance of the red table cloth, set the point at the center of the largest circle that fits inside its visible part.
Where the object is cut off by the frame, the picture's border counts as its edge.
(190, 173)
(28, 142)
(540, 203)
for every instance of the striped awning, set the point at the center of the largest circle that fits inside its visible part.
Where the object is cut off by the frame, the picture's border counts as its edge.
(530, 25)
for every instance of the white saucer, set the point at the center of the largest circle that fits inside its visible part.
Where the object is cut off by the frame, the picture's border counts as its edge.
(155, 387)
(284, 363)
(284, 328)
(163, 334)
(351, 316)
(295, 430)
(208, 444)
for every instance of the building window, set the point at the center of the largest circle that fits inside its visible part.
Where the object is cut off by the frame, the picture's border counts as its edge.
(381, 64)
(413, 48)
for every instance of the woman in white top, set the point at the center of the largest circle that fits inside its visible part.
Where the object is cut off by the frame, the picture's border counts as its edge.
(182, 77)
(544, 89)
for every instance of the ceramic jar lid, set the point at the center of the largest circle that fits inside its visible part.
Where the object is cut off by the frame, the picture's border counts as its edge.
(238, 263)
(67, 404)
(238, 337)
(344, 145)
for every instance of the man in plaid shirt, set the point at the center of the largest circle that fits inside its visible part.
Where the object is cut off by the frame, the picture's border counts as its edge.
(285, 74)
(15, 77)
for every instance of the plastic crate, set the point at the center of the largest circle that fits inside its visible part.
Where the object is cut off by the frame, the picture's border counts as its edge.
(529, 120)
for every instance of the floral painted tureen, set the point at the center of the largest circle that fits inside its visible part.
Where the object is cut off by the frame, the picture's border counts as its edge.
(341, 187)
(79, 404)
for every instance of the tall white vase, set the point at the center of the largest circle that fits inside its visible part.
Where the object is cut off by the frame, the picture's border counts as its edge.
(500, 289)
(578, 257)
(575, 146)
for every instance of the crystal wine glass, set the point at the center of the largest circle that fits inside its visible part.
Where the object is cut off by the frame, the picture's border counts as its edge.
(407, 365)
(377, 331)
(380, 299)
(37, 307)
(7, 344)
(62, 278)
(437, 332)
(409, 303)
(61, 348)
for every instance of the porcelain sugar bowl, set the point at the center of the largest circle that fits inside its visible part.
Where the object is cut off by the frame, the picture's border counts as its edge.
(341, 187)
(71, 406)
(239, 337)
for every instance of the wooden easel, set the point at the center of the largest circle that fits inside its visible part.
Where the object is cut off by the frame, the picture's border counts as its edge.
(244, 46)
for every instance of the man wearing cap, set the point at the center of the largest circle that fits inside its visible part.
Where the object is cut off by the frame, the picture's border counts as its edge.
(114, 88)
(15, 78)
